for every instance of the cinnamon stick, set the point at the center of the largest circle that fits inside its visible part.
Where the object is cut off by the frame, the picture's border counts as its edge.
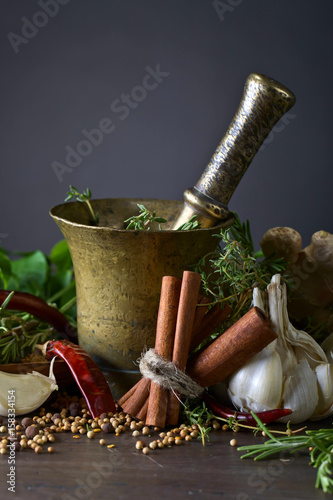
(184, 327)
(165, 332)
(211, 320)
(134, 403)
(128, 395)
(249, 335)
(141, 415)
(200, 312)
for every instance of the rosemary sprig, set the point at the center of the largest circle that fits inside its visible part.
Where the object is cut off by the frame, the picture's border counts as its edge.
(19, 334)
(319, 443)
(84, 197)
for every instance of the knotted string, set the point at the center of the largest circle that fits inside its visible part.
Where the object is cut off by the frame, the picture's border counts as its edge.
(167, 375)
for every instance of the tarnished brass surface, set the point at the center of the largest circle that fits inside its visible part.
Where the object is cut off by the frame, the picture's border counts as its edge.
(118, 276)
(263, 103)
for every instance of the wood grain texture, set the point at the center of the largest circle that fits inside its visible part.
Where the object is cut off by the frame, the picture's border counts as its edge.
(83, 470)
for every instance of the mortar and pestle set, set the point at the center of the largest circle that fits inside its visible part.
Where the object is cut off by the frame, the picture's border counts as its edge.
(118, 272)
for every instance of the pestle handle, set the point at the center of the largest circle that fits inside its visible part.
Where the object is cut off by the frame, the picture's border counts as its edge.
(263, 103)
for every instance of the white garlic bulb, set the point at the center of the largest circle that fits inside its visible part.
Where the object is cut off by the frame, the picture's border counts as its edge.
(292, 372)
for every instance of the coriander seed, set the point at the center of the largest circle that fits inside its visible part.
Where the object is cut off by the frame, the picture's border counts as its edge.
(139, 445)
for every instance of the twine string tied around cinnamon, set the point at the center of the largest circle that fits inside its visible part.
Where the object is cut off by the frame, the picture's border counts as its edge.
(167, 375)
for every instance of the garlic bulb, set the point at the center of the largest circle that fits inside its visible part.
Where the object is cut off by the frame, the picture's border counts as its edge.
(26, 392)
(292, 372)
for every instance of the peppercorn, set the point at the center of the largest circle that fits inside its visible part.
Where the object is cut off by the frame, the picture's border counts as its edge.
(107, 428)
(90, 434)
(233, 442)
(31, 431)
(145, 450)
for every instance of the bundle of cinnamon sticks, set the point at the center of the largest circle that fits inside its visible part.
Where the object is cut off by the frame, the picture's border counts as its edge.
(184, 321)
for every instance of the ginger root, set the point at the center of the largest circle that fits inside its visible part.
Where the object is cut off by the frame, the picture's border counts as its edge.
(311, 270)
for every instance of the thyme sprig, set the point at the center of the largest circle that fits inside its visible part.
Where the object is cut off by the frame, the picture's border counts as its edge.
(319, 443)
(200, 416)
(236, 269)
(203, 418)
(143, 220)
(192, 223)
(84, 197)
(145, 217)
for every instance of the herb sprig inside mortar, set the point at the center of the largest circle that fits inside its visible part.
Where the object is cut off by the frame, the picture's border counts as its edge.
(145, 217)
(84, 197)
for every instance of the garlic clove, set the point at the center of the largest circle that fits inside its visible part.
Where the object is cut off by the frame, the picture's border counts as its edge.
(258, 299)
(30, 390)
(327, 346)
(324, 407)
(257, 385)
(300, 392)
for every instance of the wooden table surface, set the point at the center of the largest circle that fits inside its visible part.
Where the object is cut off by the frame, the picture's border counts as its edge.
(83, 469)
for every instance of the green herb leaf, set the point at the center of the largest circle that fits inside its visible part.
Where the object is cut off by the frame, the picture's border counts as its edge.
(29, 273)
(143, 220)
(5, 269)
(60, 256)
(192, 223)
(83, 197)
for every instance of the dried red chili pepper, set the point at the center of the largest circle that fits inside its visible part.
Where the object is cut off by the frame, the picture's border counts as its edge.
(88, 376)
(23, 301)
(267, 417)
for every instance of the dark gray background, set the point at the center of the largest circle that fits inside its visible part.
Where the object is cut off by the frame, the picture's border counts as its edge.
(91, 52)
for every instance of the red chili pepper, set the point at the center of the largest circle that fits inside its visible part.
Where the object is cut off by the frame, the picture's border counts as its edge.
(266, 417)
(88, 376)
(23, 301)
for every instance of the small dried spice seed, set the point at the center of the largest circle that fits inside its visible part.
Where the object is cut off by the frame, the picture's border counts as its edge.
(139, 445)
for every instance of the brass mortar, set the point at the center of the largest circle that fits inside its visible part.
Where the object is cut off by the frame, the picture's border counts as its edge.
(118, 275)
